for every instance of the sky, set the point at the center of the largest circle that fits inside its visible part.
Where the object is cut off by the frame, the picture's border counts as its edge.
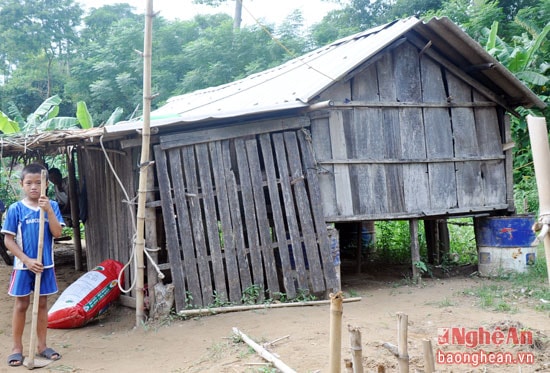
(272, 11)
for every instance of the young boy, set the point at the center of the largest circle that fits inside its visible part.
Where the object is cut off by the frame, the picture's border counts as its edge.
(20, 229)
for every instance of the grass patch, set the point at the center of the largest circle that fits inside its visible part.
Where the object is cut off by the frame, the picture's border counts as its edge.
(504, 293)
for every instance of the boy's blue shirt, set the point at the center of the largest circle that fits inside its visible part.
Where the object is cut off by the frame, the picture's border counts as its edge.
(23, 221)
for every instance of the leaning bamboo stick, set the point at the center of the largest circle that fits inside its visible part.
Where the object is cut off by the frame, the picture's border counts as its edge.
(264, 353)
(216, 310)
(336, 311)
(356, 349)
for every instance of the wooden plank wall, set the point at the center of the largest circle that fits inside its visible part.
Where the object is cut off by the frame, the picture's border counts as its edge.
(407, 138)
(108, 229)
(233, 208)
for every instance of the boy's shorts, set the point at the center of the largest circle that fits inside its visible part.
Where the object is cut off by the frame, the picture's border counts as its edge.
(22, 282)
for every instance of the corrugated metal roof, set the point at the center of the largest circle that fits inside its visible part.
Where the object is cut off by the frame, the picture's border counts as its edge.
(297, 82)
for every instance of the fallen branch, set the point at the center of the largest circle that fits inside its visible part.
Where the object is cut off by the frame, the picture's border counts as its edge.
(216, 310)
(263, 352)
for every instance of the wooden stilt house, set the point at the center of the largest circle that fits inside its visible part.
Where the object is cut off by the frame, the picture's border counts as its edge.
(408, 120)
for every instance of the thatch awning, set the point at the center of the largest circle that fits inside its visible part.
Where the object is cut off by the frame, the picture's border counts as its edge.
(47, 142)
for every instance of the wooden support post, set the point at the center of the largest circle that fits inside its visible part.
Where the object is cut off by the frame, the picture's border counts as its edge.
(151, 240)
(444, 240)
(430, 230)
(358, 247)
(356, 349)
(429, 363)
(336, 311)
(415, 249)
(75, 209)
(402, 349)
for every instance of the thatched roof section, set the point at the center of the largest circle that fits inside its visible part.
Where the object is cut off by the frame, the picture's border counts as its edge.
(46, 143)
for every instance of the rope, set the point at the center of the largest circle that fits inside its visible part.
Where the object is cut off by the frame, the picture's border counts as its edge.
(133, 255)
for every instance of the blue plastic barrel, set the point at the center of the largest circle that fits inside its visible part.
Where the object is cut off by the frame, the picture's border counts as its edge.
(504, 244)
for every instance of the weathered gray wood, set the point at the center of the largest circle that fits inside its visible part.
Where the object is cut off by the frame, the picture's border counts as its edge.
(467, 211)
(250, 216)
(195, 216)
(327, 261)
(359, 103)
(369, 144)
(211, 221)
(229, 251)
(151, 241)
(415, 249)
(290, 211)
(320, 135)
(490, 143)
(303, 205)
(392, 140)
(229, 132)
(439, 138)
(277, 215)
(169, 217)
(341, 173)
(236, 217)
(509, 163)
(184, 229)
(264, 229)
(469, 186)
(413, 137)
(365, 161)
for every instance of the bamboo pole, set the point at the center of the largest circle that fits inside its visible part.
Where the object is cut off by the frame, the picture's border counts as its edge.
(356, 349)
(429, 362)
(538, 135)
(402, 350)
(216, 310)
(264, 353)
(336, 311)
(75, 209)
(29, 362)
(144, 164)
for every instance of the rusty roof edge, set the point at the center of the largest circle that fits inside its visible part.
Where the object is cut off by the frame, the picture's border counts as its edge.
(507, 74)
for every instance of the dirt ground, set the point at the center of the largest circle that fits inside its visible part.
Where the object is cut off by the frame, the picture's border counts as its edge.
(300, 334)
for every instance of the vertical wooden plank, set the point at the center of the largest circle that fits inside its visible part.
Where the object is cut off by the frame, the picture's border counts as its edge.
(195, 216)
(277, 215)
(327, 261)
(291, 218)
(412, 133)
(320, 135)
(509, 160)
(439, 138)
(249, 209)
(264, 229)
(184, 228)
(151, 241)
(490, 144)
(211, 221)
(468, 174)
(304, 211)
(369, 144)
(341, 172)
(392, 140)
(169, 217)
(229, 250)
(236, 218)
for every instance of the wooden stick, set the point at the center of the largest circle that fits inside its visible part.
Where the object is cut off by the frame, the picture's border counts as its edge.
(216, 310)
(402, 350)
(541, 160)
(415, 250)
(336, 311)
(38, 277)
(356, 349)
(429, 362)
(263, 352)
